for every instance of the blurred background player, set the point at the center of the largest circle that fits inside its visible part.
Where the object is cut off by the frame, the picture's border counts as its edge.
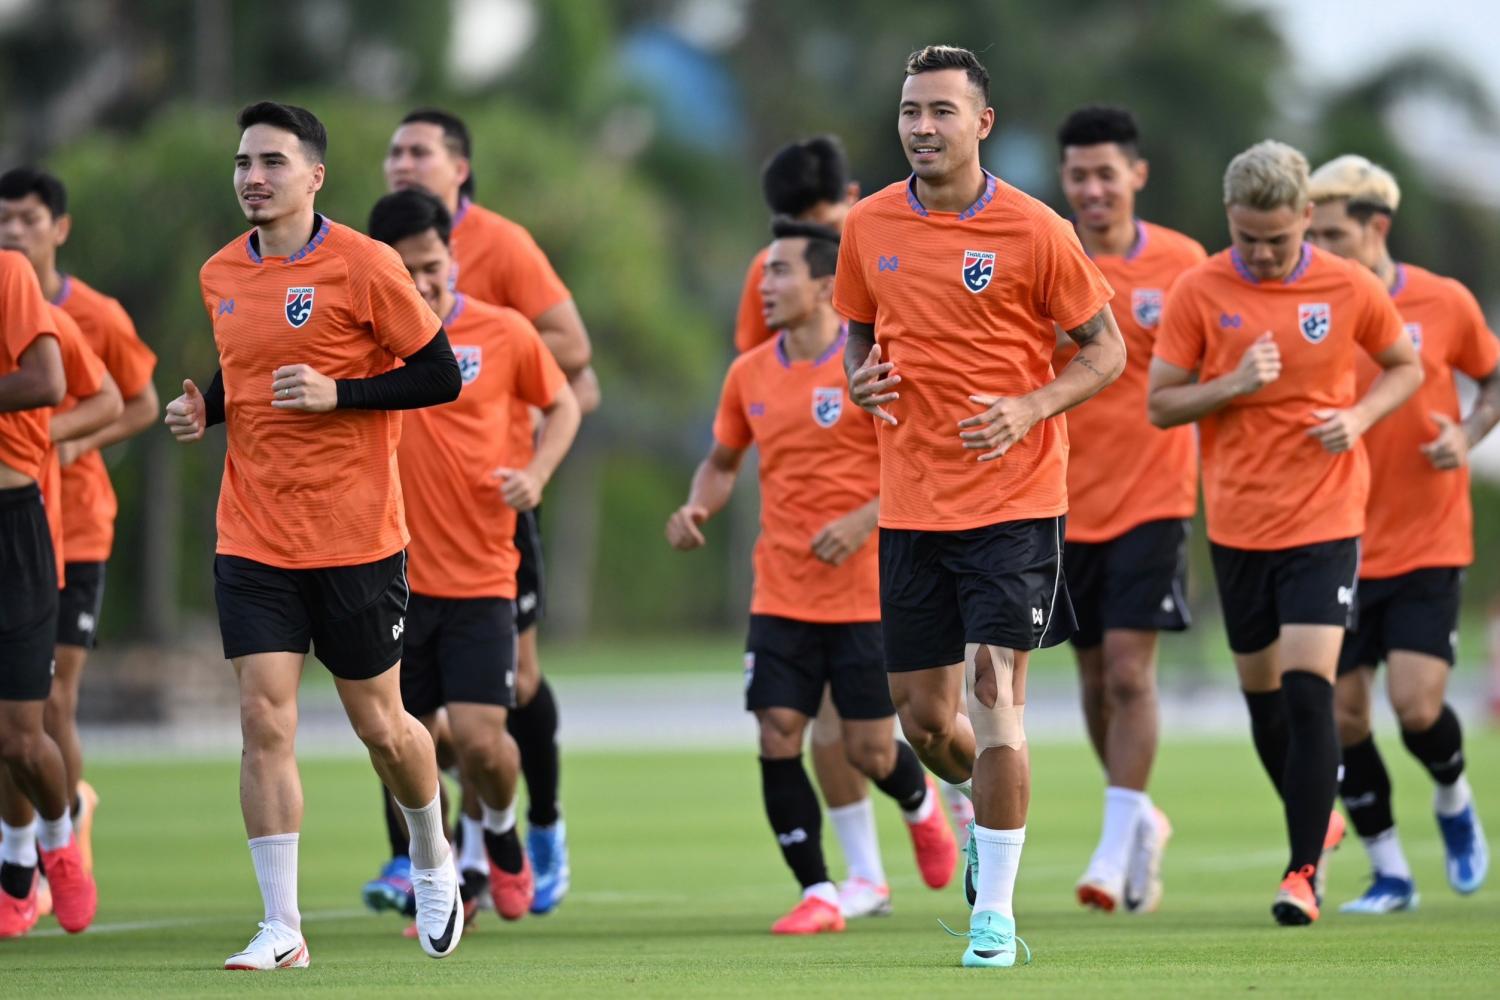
(814, 616)
(498, 262)
(1258, 346)
(931, 280)
(34, 219)
(1132, 490)
(461, 495)
(33, 380)
(1419, 536)
(311, 543)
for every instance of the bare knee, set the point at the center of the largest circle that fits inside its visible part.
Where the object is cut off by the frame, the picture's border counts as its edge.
(267, 725)
(872, 758)
(781, 732)
(18, 744)
(925, 727)
(1128, 681)
(1417, 715)
(1351, 711)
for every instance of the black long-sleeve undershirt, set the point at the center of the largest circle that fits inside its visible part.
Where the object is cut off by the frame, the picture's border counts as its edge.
(428, 378)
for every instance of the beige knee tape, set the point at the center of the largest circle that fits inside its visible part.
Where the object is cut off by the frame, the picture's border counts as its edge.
(1003, 724)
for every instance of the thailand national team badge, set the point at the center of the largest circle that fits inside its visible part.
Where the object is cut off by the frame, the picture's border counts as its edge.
(1414, 331)
(1314, 320)
(828, 404)
(979, 268)
(1145, 306)
(299, 303)
(469, 361)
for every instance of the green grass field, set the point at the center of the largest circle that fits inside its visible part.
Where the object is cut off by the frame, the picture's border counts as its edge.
(676, 879)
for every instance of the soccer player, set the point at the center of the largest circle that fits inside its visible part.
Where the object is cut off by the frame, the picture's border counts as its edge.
(34, 219)
(32, 381)
(814, 615)
(1418, 539)
(953, 283)
(311, 319)
(1132, 490)
(462, 497)
(1258, 345)
(498, 262)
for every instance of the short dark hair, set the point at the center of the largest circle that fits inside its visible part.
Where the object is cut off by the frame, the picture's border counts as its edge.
(455, 134)
(931, 58)
(409, 212)
(1095, 124)
(19, 182)
(299, 121)
(822, 253)
(802, 174)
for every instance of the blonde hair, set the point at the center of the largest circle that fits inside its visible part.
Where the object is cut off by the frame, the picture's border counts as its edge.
(1366, 186)
(1267, 176)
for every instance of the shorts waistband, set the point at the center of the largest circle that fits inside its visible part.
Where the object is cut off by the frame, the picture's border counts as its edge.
(20, 496)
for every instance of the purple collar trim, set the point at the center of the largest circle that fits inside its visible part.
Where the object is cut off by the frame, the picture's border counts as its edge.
(1396, 289)
(312, 244)
(991, 182)
(463, 210)
(1139, 246)
(66, 289)
(1297, 272)
(833, 349)
(456, 311)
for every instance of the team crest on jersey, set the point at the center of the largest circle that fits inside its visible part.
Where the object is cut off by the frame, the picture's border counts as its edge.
(1314, 320)
(1145, 306)
(299, 303)
(469, 361)
(979, 268)
(828, 404)
(1414, 331)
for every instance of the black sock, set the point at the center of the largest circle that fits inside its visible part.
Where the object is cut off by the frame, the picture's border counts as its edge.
(1366, 789)
(77, 806)
(1310, 782)
(796, 818)
(534, 729)
(1440, 748)
(504, 850)
(394, 830)
(1269, 731)
(907, 782)
(15, 880)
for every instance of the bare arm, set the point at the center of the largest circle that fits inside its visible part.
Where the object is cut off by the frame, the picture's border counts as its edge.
(872, 383)
(38, 380)
(1450, 449)
(563, 332)
(713, 483)
(1175, 396)
(91, 414)
(139, 413)
(1402, 376)
(843, 536)
(1486, 412)
(522, 488)
(585, 385)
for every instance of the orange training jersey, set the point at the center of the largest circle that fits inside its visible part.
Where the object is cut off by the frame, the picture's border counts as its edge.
(964, 304)
(305, 490)
(818, 458)
(750, 327)
(89, 504)
(1418, 516)
(1122, 471)
(24, 316)
(1266, 483)
(84, 372)
(462, 532)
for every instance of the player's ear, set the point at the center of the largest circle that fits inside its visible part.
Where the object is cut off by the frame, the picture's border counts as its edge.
(61, 228)
(319, 172)
(851, 192)
(825, 290)
(1381, 223)
(1140, 170)
(986, 122)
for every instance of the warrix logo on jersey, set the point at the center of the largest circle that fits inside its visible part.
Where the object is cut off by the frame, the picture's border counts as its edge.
(1314, 320)
(299, 306)
(827, 405)
(470, 359)
(1145, 306)
(979, 268)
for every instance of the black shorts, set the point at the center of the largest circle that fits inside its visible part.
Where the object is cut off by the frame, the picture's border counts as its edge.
(28, 596)
(1260, 591)
(353, 617)
(531, 578)
(458, 649)
(79, 604)
(788, 663)
(999, 585)
(1136, 581)
(1415, 612)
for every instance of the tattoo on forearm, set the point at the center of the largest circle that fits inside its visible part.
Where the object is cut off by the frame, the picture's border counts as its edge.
(1085, 362)
(1089, 331)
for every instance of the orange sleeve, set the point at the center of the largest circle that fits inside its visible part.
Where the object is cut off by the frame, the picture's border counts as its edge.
(1382, 324)
(749, 323)
(731, 426)
(83, 368)
(530, 283)
(851, 294)
(1475, 350)
(126, 356)
(1179, 336)
(24, 314)
(537, 374)
(1069, 286)
(402, 320)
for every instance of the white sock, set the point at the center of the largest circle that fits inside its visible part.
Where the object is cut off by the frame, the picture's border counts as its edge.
(19, 844)
(855, 826)
(1450, 800)
(826, 891)
(499, 820)
(999, 860)
(1386, 856)
(54, 833)
(275, 861)
(1123, 808)
(920, 814)
(472, 857)
(429, 848)
(966, 789)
